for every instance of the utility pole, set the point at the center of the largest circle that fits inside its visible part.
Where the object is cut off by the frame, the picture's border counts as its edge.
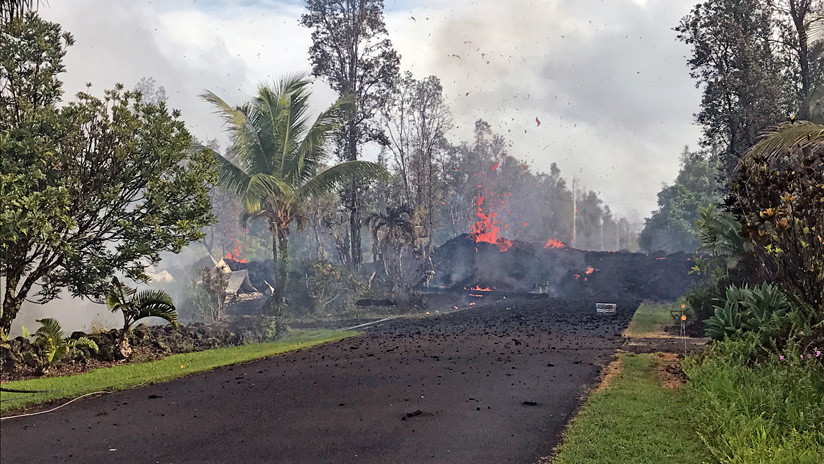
(574, 212)
(602, 234)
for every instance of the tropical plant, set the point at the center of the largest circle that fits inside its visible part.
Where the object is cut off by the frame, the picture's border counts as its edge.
(397, 225)
(278, 161)
(50, 338)
(778, 194)
(137, 305)
(760, 309)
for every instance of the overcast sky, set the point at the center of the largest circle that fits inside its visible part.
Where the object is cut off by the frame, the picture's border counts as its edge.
(606, 78)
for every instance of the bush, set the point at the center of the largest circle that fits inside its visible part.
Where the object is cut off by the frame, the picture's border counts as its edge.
(768, 412)
(321, 287)
(762, 310)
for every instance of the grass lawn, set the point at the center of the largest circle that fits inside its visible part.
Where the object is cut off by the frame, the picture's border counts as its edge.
(650, 318)
(168, 368)
(633, 420)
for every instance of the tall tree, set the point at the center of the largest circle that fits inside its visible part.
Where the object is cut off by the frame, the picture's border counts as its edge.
(352, 52)
(87, 188)
(802, 53)
(278, 161)
(417, 119)
(733, 59)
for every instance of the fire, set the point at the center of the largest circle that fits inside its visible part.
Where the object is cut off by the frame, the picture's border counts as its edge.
(590, 270)
(478, 288)
(237, 253)
(487, 227)
(553, 243)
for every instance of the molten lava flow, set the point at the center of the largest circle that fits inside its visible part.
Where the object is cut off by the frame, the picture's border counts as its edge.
(487, 227)
(478, 288)
(590, 270)
(237, 253)
(552, 243)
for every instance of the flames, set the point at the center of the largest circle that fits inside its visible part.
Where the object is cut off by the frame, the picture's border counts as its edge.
(478, 288)
(487, 226)
(553, 243)
(589, 270)
(237, 254)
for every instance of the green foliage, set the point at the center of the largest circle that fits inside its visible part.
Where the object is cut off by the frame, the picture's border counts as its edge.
(136, 306)
(779, 195)
(672, 227)
(73, 216)
(324, 288)
(50, 338)
(761, 309)
(770, 412)
(279, 160)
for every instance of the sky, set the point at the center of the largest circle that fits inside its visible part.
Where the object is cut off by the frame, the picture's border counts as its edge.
(606, 78)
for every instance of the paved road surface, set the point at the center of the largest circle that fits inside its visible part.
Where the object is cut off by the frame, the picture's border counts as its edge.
(448, 389)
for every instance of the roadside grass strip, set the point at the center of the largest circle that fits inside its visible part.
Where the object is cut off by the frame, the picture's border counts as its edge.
(650, 318)
(633, 420)
(169, 368)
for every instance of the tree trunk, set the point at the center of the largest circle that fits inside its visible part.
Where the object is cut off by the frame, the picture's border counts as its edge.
(11, 306)
(276, 295)
(282, 272)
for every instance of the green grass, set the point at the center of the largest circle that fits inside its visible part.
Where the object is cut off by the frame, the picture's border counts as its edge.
(650, 319)
(634, 420)
(169, 368)
(771, 411)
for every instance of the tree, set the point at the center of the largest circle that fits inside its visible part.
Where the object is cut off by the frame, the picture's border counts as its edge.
(802, 53)
(278, 157)
(398, 232)
(778, 195)
(351, 51)
(417, 119)
(90, 187)
(733, 59)
(136, 306)
(672, 227)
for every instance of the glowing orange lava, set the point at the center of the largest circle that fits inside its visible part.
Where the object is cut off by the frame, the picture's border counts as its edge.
(590, 270)
(552, 243)
(487, 227)
(479, 289)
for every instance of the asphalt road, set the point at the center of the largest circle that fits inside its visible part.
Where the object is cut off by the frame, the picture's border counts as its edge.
(493, 384)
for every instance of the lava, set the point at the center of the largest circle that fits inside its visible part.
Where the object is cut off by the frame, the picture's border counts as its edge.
(590, 270)
(487, 227)
(479, 289)
(553, 243)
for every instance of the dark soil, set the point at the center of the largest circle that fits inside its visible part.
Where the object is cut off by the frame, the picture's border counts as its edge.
(495, 383)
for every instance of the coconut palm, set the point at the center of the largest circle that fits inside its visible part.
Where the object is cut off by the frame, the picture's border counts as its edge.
(136, 306)
(278, 160)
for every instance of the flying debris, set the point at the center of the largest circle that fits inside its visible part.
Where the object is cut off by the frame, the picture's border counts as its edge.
(537, 120)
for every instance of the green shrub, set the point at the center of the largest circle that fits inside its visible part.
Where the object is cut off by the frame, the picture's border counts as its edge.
(762, 310)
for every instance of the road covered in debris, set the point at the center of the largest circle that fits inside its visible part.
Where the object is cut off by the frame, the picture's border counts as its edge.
(494, 383)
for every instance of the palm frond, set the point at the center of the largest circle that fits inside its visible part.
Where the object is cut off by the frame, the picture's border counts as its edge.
(84, 342)
(118, 295)
(155, 303)
(231, 177)
(265, 187)
(310, 152)
(49, 330)
(247, 144)
(339, 174)
(788, 136)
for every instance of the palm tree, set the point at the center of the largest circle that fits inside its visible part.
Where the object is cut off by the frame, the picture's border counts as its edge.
(278, 161)
(398, 230)
(136, 306)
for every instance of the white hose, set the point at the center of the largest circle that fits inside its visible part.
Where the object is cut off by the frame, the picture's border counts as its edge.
(53, 409)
